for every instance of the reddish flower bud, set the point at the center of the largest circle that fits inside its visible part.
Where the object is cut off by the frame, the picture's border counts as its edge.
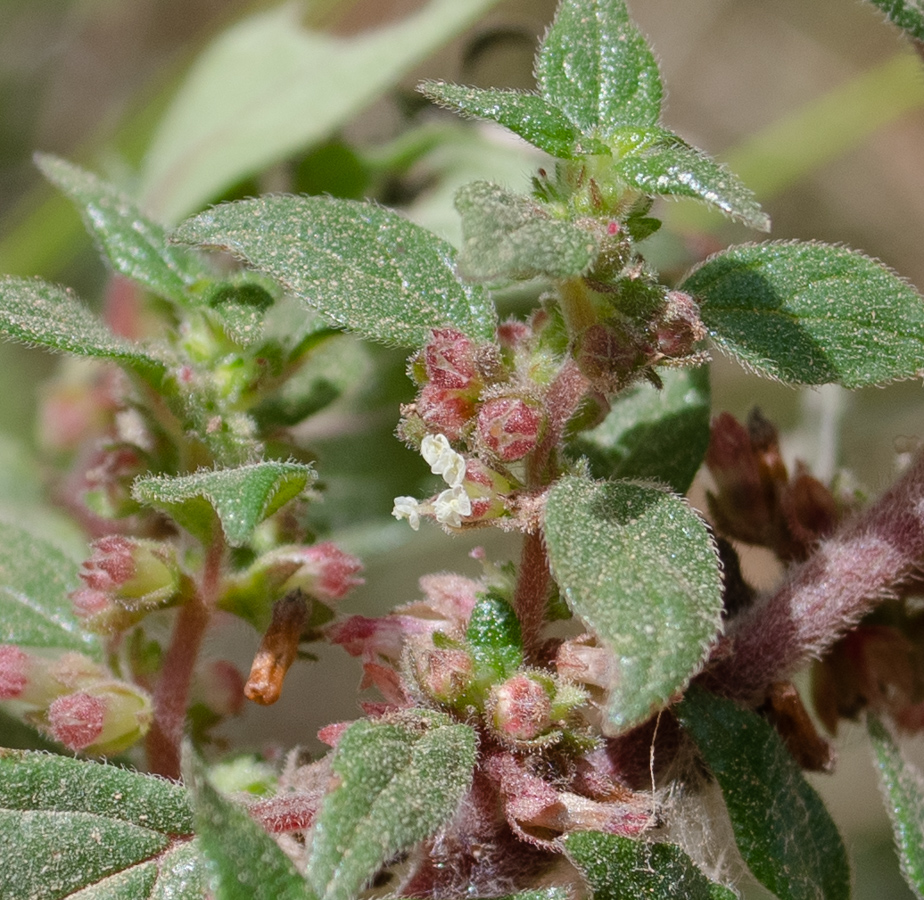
(521, 708)
(324, 570)
(381, 637)
(14, 671)
(445, 411)
(449, 358)
(679, 327)
(580, 660)
(486, 489)
(76, 720)
(509, 427)
(105, 718)
(444, 675)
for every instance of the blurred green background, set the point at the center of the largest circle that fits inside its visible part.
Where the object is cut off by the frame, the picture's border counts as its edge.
(818, 106)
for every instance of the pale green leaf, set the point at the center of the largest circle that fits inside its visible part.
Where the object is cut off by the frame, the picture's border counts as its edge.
(903, 791)
(35, 580)
(268, 88)
(597, 68)
(654, 434)
(400, 781)
(618, 867)
(37, 313)
(782, 828)
(239, 499)
(245, 863)
(906, 14)
(70, 828)
(134, 246)
(528, 115)
(670, 167)
(639, 567)
(809, 313)
(509, 236)
(364, 267)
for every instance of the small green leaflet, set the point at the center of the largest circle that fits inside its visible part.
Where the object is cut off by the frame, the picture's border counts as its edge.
(363, 267)
(135, 246)
(239, 499)
(596, 67)
(809, 313)
(400, 781)
(244, 861)
(639, 567)
(92, 831)
(782, 828)
(906, 14)
(661, 435)
(659, 163)
(35, 580)
(903, 790)
(36, 312)
(531, 117)
(494, 638)
(509, 236)
(619, 867)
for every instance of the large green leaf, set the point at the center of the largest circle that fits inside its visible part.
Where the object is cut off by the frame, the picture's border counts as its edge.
(639, 567)
(509, 236)
(619, 867)
(267, 88)
(670, 167)
(781, 826)
(364, 267)
(35, 312)
(810, 313)
(597, 68)
(535, 120)
(90, 831)
(400, 781)
(244, 862)
(661, 435)
(134, 245)
(35, 580)
(903, 789)
(906, 14)
(239, 499)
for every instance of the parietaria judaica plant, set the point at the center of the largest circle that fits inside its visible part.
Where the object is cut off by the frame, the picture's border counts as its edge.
(532, 725)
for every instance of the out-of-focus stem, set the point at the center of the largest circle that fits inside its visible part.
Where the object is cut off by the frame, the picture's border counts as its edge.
(171, 696)
(862, 564)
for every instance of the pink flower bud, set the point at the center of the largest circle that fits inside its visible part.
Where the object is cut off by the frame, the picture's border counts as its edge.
(450, 359)
(444, 411)
(444, 675)
(509, 427)
(326, 572)
(486, 489)
(580, 660)
(76, 720)
(382, 637)
(103, 719)
(14, 671)
(521, 708)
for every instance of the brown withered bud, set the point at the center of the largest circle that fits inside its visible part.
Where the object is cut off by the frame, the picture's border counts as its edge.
(610, 355)
(679, 328)
(278, 649)
(785, 711)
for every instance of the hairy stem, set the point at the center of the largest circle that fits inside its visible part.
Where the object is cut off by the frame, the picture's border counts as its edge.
(171, 696)
(531, 595)
(862, 564)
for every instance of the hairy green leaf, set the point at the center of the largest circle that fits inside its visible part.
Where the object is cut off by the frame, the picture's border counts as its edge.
(903, 790)
(597, 68)
(810, 313)
(239, 499)
(618, 867)
(670, 167)
(35, 312)
(78, 829)
(35, 580)
(245, 863)
(266, 88)
(639, 567)
(906, 14)
(364, 267)
(781, 826)
(509, 236)
(494, 637)
(134, 245)
(400, 781)
(661, 435)
(531, 117)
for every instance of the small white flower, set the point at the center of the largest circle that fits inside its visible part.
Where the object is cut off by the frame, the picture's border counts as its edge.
(407, 508)
(442, 459)
(450, 506)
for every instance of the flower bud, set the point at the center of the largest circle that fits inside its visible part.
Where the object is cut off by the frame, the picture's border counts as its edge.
(445, 411)
(486, 490)
(679, 327)
(509, 427)
(521, 708)
(14, 671)
(37, 680)
(449, 358)
(444, 674)
(324, 571)
(579, 660)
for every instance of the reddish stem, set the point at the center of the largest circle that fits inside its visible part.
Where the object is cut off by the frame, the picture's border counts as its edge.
(171, 696)
(531, 595)
(862, 564)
